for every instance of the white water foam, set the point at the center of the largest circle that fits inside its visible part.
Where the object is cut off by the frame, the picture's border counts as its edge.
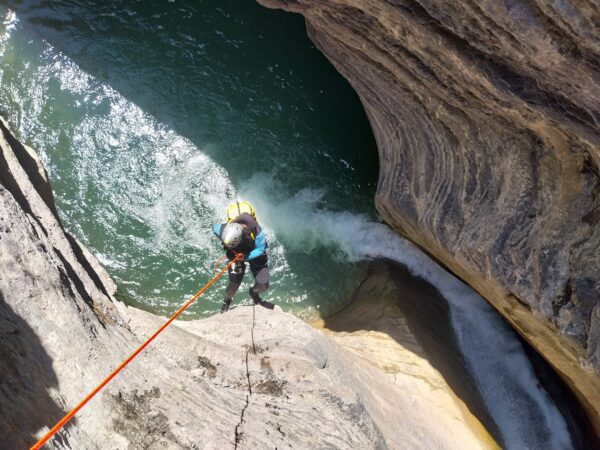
(173, 188)
(526, 416)
(9, 23)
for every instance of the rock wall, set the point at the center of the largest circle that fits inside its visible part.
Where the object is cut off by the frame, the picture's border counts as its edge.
(250, 379)
(486, 116)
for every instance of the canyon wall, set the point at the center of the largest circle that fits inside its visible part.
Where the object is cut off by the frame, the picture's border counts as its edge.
(486, 116)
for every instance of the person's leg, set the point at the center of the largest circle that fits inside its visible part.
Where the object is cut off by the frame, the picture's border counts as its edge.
(261, 283)
(235, 279)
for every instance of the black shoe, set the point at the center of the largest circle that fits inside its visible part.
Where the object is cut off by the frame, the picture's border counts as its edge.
(225, 306)
(267, 305)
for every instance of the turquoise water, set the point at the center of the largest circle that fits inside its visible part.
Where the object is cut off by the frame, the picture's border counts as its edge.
(151, 119)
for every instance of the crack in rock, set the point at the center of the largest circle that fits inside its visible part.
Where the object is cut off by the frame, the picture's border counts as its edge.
(239, 434)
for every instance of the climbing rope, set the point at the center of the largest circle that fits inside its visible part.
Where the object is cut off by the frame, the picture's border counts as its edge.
(71, 413)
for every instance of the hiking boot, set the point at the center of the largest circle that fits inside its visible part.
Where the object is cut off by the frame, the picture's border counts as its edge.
(258, 301)
(225, 306)
(266, 304)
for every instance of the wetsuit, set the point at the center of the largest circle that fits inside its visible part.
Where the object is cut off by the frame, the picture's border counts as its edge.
(254, 248)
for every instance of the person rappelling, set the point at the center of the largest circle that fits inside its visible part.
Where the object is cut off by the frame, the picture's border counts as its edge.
(242, 234)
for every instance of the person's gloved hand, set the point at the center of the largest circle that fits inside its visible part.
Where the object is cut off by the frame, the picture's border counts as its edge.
(236, 267)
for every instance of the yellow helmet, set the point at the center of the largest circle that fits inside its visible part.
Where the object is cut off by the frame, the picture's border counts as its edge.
(237, 208)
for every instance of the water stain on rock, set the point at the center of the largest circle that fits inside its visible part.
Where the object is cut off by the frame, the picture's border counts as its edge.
(265, 364)
(211, 369)
(272, 387)
(137, 420)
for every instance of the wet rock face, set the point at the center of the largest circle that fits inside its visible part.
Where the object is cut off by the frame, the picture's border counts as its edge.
(486, 118)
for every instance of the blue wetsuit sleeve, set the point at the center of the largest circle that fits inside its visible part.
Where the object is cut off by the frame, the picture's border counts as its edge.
(217, 230)
(260, 245)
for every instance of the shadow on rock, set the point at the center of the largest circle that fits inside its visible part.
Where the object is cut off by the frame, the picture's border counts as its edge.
(27, 374)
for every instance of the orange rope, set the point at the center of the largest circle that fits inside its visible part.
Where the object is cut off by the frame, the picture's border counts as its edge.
(71, 413)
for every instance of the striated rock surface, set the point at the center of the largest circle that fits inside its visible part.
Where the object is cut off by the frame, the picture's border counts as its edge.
(486, 116)
(251, 378)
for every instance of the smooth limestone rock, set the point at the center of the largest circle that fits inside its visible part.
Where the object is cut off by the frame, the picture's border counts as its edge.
(400, 325)
(486, 116)
(248, 379)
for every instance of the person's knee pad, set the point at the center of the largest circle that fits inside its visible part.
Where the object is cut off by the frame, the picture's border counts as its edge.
(260, 287)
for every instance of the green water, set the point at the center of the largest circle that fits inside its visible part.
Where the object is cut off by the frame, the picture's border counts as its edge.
(151, 116)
